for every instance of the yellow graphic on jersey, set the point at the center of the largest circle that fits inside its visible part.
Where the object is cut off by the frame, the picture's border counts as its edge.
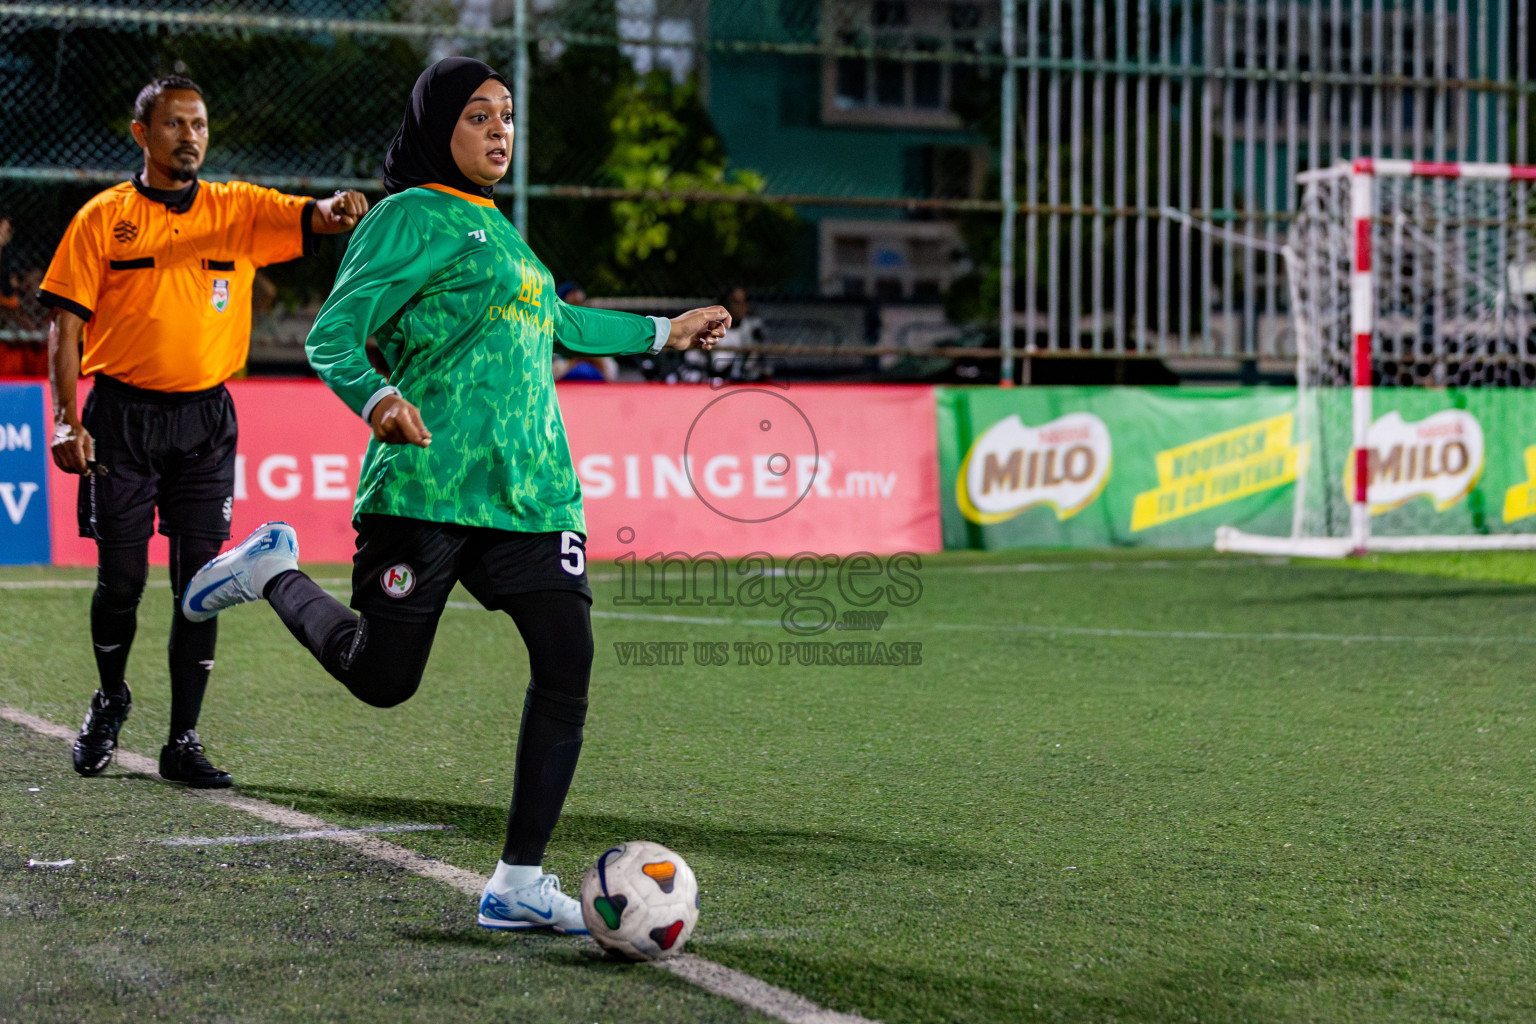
(533, 285)
(1220, 468)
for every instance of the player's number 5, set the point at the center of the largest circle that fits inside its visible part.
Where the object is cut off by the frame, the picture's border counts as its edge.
(573, 556)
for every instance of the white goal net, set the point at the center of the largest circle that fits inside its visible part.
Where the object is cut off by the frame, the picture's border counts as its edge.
(1414, 294)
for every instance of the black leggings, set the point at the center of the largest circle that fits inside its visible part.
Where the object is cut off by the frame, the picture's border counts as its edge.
(382, 660)
(121, 573)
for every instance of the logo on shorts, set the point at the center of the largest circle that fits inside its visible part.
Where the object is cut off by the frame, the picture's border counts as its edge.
(398, 581)
(125, 231)
(221, 293)
(229, 507)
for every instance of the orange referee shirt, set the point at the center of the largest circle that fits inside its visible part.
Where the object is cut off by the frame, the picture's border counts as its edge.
(163, 279)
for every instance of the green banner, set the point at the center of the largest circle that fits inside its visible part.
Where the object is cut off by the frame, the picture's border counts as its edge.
(1443, 462)
(1094, 467)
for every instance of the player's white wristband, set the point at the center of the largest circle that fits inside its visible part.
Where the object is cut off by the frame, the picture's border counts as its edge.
(378, 396)
(663, 332)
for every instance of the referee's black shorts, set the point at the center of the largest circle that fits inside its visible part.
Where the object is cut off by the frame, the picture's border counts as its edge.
(168, 451)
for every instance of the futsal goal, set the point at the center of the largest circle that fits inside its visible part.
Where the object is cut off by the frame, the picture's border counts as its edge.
(1413, 288)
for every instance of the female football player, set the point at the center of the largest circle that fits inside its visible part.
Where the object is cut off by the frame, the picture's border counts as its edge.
(468, 477)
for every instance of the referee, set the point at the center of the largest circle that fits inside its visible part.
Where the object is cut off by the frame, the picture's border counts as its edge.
(151, 293)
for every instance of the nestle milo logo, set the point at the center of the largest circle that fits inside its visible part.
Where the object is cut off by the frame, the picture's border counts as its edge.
(1438, 458)
(1013, 467)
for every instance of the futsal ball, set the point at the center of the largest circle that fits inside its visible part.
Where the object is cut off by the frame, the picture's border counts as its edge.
(640, 901)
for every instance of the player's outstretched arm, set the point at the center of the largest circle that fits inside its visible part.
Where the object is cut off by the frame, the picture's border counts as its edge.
(338, 214)
(610, 332)
(701, 327)
(72, 447)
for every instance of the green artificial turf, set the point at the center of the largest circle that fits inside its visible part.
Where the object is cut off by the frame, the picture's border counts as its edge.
(135, 930)
(1117, 788)
(1506, 566)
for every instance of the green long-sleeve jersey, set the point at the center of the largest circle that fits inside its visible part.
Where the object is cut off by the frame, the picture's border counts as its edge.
(466, 317)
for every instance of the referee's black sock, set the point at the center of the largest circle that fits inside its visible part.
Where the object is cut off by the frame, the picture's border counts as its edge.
(192, 644)
(120, 576)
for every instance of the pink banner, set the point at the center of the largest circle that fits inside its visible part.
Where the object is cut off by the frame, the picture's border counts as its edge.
(824, 468)
(300, 450)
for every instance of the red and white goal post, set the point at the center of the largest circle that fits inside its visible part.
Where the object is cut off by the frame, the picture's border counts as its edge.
(1404, 275)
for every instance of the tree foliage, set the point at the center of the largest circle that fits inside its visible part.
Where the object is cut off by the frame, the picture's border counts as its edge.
(319, 105)
(654, 135)
(663, 142)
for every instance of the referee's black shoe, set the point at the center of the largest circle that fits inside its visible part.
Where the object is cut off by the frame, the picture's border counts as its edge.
(97, 742)
(182, 760)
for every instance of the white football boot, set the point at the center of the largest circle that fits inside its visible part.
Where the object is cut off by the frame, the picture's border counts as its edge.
(540, 904)
(240, 574)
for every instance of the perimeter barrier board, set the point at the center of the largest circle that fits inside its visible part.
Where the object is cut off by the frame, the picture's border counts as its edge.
(1165, 467)
(686, 469)
(692, 469)
(24, 463)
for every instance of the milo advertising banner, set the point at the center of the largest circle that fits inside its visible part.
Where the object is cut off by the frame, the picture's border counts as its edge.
(1447, 462)
(1088, 467)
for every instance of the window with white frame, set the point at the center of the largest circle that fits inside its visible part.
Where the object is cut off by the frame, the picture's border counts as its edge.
(890, 260)
(658, 36)
(878, 89)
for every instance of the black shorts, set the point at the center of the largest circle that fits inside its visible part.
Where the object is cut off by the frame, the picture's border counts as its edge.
(174, 452)
(406, 568)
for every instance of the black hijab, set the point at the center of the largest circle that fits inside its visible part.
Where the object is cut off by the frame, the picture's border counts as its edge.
(420, 154)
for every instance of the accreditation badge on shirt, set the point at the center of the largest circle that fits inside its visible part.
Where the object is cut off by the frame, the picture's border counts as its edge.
(220, 294)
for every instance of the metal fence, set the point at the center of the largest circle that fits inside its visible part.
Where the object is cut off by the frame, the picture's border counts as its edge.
(819, 154)
(870, 164)
(1127, 109)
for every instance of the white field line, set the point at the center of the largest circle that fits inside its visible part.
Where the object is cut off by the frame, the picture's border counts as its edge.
(89, 584)
(718, 979)
(1154, 563)
(288, 837)
(47, 584)
(769, 1000)
(465, 881)
(1182, 634)
(1140, 634)
(330, 582)
(1005, 627)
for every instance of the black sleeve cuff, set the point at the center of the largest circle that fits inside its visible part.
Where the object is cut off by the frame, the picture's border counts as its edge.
(306, 226)
(48, 298)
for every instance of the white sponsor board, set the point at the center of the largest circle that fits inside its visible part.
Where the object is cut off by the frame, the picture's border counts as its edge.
(1012, 467)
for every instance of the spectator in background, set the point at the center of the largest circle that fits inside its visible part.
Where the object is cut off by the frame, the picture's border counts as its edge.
(263, 294)
(30, 280)
(578, 367)
(9, 285)
(727, 361)
(693, 367)
(23, 346)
